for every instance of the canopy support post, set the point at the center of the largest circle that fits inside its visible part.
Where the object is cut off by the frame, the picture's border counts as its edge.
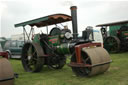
(24, 33)
(27, 34)
(31, 32)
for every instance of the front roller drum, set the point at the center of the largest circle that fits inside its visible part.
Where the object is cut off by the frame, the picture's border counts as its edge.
(94, 61)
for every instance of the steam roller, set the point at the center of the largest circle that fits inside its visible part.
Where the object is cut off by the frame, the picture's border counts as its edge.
(6, 72)
(88, 58)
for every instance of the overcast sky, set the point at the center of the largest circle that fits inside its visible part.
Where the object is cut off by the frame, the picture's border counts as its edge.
(90, 12)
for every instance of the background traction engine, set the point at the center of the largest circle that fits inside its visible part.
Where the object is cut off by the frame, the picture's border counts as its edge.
(119, 42)
(117, 39)
(87, 58)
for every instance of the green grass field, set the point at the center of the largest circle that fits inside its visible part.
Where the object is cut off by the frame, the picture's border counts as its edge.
(116, 75)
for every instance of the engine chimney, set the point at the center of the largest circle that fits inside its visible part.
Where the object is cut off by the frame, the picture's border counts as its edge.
(74, 21)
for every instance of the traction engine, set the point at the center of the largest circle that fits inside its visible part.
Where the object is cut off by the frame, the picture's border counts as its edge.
(51, 49)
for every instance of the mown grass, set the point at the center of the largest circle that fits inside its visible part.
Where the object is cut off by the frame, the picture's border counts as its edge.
(116, 75)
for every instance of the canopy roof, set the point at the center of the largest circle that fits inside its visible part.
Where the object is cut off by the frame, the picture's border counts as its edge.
(113, 23)
(47, 20)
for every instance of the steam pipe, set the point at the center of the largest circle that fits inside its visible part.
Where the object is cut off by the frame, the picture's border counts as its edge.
(74, 21)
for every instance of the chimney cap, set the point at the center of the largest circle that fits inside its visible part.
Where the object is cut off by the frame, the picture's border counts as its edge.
(73, 7)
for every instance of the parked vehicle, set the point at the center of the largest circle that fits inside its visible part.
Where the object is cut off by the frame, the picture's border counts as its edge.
(2, 53)
(13, 47)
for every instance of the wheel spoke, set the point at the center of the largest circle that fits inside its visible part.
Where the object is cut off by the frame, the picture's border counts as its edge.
(85, 60)
(35, 59)
(33, 53)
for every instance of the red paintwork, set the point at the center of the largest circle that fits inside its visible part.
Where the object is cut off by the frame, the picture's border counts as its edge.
(53, 40)
(4, 54)
(125, 33)
(74, 64)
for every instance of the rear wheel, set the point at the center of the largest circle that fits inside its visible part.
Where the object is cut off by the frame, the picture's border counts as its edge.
(9, 54)
(31, 60)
